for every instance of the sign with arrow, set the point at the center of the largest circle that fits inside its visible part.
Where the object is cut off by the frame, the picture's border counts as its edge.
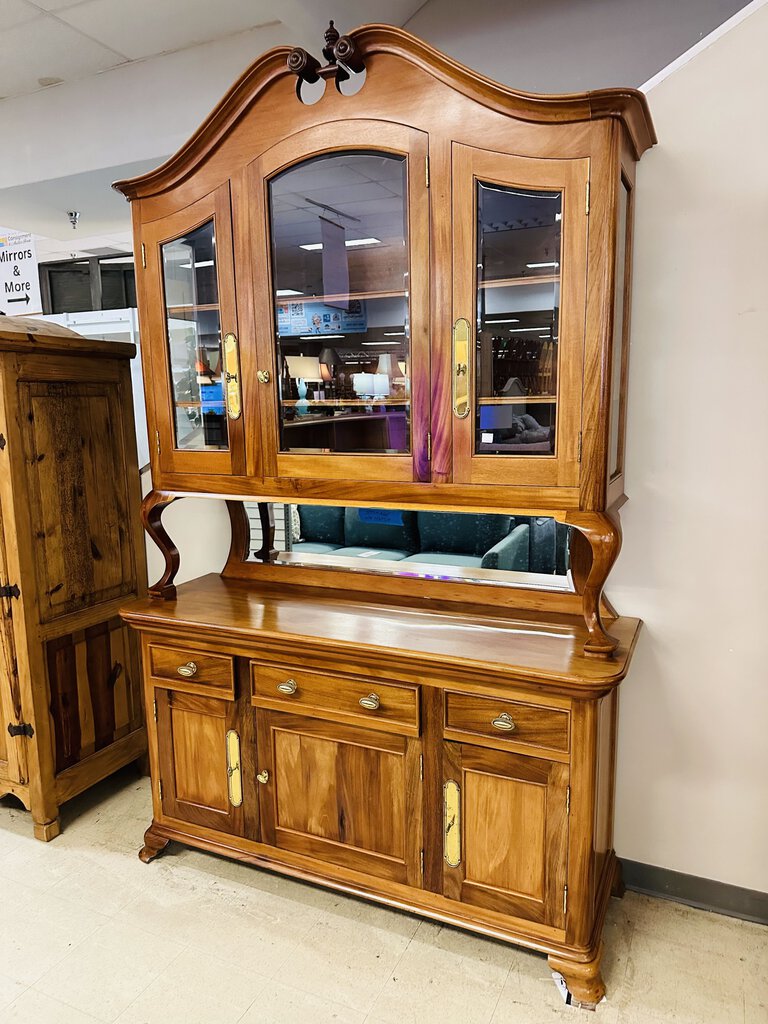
(19, 276)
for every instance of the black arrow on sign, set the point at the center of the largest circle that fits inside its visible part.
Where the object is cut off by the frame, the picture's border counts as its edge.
(25, 299)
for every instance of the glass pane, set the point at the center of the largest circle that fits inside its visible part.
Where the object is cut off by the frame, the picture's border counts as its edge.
(340, 273)
(71, 288)
(618, 333)
(518, 300)
(194, 340)
(529, 551)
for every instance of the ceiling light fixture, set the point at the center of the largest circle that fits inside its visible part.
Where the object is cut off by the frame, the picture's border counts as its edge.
(281, 292)
(535, 266)
(394, 334)
(318, 337)
(502, 321)
(350, 243)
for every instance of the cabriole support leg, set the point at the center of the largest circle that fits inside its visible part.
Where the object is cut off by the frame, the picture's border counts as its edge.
(152, 509)
(153, 845)
(603, 534)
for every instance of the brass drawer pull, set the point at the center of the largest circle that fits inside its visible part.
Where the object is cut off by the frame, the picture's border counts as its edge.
(263, 777)
(289, 686)
(504, 722)
(263, 376)
(371, 703)
(188, 670)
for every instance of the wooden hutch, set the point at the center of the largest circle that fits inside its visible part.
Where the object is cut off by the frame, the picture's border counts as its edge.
(423, 742)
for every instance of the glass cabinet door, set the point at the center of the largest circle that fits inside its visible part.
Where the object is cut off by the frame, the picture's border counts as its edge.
(346, 233)
(519, 300)
(196, 376)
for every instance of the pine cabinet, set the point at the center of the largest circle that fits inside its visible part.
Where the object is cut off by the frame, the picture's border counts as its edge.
(406, 293)
(70, 555)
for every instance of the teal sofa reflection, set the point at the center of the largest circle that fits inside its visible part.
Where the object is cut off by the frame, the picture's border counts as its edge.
(512, 543)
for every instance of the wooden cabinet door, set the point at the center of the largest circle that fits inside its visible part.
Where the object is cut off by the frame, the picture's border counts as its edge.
(341, 794)
(199, 761)
(340, 230)
(519, 299)
(505, 832)
(192, 377)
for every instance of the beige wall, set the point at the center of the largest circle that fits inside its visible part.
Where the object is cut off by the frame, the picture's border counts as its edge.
(693, 756)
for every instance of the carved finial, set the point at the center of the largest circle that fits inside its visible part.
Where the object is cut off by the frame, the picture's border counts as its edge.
(331, 37)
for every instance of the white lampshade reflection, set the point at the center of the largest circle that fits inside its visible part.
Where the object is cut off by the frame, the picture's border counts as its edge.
(304, 367)
(386, 364)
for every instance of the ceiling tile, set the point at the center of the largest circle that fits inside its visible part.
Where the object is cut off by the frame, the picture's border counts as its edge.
(144, 28)
(16, 12)
(59, 52)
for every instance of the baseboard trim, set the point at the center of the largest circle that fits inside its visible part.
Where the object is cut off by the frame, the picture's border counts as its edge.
(704, 893)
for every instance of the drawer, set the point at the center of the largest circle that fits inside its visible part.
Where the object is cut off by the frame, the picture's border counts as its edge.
(192, 671)
(391, 707)
(507, 723)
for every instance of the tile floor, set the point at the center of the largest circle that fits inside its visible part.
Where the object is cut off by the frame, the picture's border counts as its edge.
(89, 934)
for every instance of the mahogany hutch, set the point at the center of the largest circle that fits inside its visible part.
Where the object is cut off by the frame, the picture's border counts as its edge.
(71, 708)
(381, 280)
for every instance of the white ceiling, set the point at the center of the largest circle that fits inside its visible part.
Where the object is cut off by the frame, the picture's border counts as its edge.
(46, 42)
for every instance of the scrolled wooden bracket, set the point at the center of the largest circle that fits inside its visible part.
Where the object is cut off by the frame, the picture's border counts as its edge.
(603, 534)
(152, 509)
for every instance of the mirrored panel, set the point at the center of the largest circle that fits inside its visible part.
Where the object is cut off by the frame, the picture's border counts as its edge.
(340, 276)
(500, 550)
(518, 300)
(194, 340)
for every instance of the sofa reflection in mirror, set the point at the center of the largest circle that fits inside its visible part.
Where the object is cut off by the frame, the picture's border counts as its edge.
(439, 544)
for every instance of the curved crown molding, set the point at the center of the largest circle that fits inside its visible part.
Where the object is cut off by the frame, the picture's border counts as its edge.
(626, 105)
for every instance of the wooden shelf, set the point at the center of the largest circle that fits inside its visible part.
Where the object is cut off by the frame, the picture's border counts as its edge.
(325, 299)
(511, 282)
(519, 400)
(340, 403)
(192, 309)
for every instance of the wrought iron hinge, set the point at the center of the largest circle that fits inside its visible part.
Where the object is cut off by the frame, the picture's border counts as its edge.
(426, 171)
(22, 729)
(10, 590)
(421, 767)
(2, 442)
(580, 443)
(421, 861)
(429, 446)
(157, 441)
(586, 208)
(154, 709)
(568, 801)
(143, 256)
(565, 899)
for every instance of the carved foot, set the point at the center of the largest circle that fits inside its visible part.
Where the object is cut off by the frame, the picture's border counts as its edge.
(152, 509)
(603, 534)
(153, 845)
(45, 831)
(618, 888)
(584, 980)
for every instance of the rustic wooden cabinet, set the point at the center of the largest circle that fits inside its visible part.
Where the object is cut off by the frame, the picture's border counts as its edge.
(410, 292)
(70, 554)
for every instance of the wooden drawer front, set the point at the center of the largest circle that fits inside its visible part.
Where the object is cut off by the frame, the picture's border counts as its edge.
(534, 725)
(202, 672)
(333, 698)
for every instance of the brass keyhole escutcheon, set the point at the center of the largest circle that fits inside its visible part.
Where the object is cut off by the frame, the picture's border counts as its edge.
(263, 376)
(263, 777)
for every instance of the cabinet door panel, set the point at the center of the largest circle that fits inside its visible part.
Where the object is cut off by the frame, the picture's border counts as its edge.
(188, 292)
(346, 301)
(195, 767)
(514, 829)
(519, 298)
(341, 794)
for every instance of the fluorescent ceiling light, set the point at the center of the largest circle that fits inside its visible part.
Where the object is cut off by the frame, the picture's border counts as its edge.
(203, 263)
(524, 330)
(287, 291)
(558, 216)
(350, 243)
(319, 337)
(394, 334)
(534, 266)
(502, 321)
(380, 343)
